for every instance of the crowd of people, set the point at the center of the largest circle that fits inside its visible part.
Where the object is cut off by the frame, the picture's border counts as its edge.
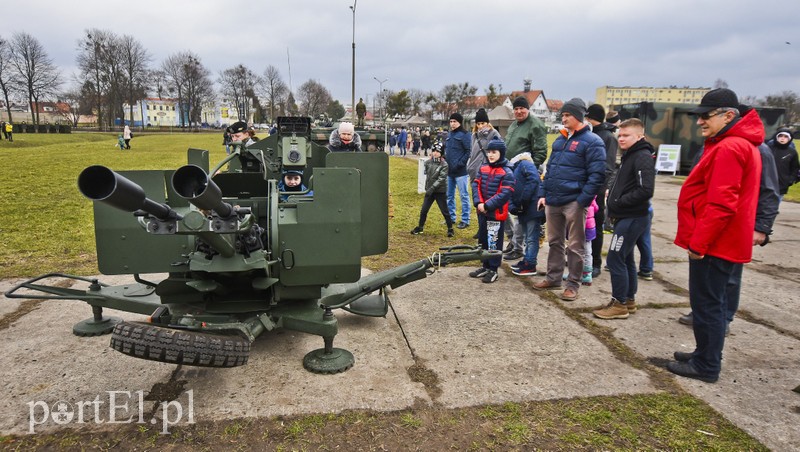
(600, 177)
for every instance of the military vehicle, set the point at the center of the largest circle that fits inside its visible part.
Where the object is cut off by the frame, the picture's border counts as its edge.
(372, 140)
(671, 123)
(241, 256)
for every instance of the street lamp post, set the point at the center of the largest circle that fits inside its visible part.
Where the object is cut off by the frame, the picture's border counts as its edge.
(353, 92)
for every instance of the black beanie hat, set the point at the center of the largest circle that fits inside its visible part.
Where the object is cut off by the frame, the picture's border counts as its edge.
(481, 116)
(457, 116)
(521, 101)
(596, 112)
(497, 144)
(576, 107)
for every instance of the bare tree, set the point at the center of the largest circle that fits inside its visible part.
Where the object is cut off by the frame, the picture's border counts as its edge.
(274, 89)
(135, 61)
(7, 80)
(314, 98)
(199, 88)
(70, 105)
(90, 60)
(417, 98)
(238, 86)
(174, 68)
(40, 78)
(101, 59)
(720, 83)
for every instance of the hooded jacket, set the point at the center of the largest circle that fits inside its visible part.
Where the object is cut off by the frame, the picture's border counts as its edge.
(786, 162)
(480, 139)
(575, 169)
(335, 143)
(717, 203)
(494, 187)
(527, 189)
(435, 176)
(634, 184)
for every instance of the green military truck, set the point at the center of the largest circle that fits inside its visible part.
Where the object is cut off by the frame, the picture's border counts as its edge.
(671, 123)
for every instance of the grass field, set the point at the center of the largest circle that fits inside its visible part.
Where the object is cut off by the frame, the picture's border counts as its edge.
(47, 226)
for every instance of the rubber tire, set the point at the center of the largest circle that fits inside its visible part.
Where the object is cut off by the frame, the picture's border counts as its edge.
(167, 345)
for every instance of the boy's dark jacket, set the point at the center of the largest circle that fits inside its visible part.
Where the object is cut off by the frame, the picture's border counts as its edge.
(493, 187)
(435, 176)
(634, 183)
(527, 189)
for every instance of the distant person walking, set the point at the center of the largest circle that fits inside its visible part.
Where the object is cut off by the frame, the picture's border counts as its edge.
(127, 135)
(9, 131)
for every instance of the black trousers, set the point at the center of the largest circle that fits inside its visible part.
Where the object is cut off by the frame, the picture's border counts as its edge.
(441, 201)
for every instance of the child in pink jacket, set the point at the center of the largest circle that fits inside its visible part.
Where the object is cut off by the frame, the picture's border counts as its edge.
(591, 233)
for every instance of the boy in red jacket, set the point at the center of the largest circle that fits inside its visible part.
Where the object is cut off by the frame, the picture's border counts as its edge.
(491, 191)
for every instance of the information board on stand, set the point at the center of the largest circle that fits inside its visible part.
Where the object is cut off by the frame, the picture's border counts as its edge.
(668, 159)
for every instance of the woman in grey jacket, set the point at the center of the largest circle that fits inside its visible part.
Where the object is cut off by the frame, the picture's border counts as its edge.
(482, 134)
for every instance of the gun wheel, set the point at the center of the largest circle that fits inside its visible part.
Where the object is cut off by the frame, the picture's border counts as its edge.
(193, 348)
(320, 362)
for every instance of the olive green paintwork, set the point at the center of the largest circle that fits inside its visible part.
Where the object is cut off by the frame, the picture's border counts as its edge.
(668, 123)
(372, 140)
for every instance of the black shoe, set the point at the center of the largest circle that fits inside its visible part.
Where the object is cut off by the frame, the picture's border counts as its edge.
(596, 272)
(417, 230)
(682, 356)
(509, 247)
(451, 232)
(462, 225)
(479, 272)
(686, 369)
(489, 277)
(647, 276)
(512, 256)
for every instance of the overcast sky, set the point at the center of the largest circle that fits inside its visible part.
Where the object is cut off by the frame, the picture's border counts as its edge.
(567, 48)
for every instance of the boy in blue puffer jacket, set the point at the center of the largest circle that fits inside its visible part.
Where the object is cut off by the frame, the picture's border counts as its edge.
(491, 191)
(527, 191)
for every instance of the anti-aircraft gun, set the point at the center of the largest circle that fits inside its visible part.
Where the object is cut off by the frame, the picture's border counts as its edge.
(240, 260)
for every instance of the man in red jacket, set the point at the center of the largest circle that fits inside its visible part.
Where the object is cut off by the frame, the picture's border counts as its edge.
(716, 218)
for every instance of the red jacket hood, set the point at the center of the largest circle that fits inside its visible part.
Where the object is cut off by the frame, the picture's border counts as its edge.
(748, 127)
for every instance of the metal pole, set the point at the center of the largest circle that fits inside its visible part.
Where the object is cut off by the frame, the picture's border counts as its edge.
(380, 103)
(353, 91)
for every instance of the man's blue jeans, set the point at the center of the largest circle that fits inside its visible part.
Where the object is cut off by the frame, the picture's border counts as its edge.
(709, 281)
(620, 261)
(533, 230)
(645, 246)
(461, 182)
